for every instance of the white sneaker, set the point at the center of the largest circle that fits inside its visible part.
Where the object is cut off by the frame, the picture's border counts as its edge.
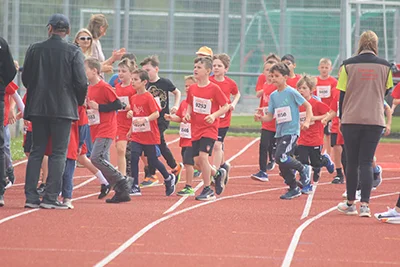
(389, 214)
(67, 202)
(358, 195)
(346, 209)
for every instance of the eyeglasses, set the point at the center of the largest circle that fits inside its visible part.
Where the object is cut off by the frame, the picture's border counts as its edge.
(85, 38)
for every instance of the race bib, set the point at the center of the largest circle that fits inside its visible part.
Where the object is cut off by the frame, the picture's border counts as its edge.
(201, 105)
(303, 118)
(324, 91)
(158, 101)
(140, 128)
(185, 130)
(93, 116)
(124, 99)
(283, 114)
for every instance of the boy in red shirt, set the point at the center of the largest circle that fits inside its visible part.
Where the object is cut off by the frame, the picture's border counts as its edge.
(267, 141)
(144, 134)
(185, 141)
(206, 103)
(102, 106)
(311, 139)
(221, 63)
(262, 79)
(288, 59)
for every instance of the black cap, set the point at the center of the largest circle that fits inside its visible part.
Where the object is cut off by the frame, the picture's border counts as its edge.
(288, 57)
(58, 21)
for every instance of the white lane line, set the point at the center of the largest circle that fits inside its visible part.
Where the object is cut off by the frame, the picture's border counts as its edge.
(173, 141)
(310, 197)
(297, 234)
(180, 201)
(20, 162)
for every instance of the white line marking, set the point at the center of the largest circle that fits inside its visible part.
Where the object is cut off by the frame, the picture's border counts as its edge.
(20, 162)
(180, 201)
(17, 215)
(243, 150)
(296, 237)
(173, 141)
(307, 207)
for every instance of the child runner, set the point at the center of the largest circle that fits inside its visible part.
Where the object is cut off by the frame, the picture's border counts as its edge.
(185, 141)
(284, 103)
(268, 130)
(263, 77)
(114, 80)
(102, 103)
(144, 134)
(293, 78)
(206, 103)
(124, 91)
(221, 63)
(311, 140)
(160, 88)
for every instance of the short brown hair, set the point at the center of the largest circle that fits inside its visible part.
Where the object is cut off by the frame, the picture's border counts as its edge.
(143, 75)
(207, 61)
(225, 59)
(130, 64)
(153, 60)
(368, 41)
(280, 67)
(308, 80)
(96, 21)
(273, 57)
(93, 63)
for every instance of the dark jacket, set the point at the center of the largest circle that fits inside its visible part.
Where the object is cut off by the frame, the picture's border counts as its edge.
(55, 78)
(7, 68)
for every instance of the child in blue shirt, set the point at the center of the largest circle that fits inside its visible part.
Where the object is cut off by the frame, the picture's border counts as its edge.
(284, 106)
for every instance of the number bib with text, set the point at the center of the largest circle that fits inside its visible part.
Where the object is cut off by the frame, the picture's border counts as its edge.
(185, 130)
(93, 116)
(139, 128)
(202, 105)
(324, 91)
(303, 118)
(283, 114)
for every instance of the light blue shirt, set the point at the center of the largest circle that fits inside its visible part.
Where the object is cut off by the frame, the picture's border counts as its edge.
(288, 98)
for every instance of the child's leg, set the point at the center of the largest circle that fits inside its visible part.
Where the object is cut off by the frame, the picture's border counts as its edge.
(327, 138)
(136, 152)
(202, 161)
(45, 169)
(82, 159)
(121, 161)
(218, 154)
(88, 141)
(188, 161)
(165, 152)
(128, 159)
(265, 143)
(67, 180)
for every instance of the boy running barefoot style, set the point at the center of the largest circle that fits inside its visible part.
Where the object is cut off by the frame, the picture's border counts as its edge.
(185, 141)
(221, 63)
(267, 141)
(206, 103)
(102, 106)
(284, 103)
(160, 88)
(144, 134)
(311, 139)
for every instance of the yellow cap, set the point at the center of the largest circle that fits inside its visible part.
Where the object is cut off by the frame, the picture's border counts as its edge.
(205, 50)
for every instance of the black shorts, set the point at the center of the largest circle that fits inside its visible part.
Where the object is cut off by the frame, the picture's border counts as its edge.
(187, 155)
(327, 128)
(28, 142)
(310, 155)
(334, 139)
(222, 133)
(205, 144)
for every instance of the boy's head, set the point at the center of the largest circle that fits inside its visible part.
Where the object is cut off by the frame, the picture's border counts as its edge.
(92, 68)
(273, 57)
(151, 65)
(130, 56)
(306, 85)
(204, 51)
(202, 67)
(189, 80)
(279, 73)
(267, 66)
(221, 63)
(125, 69)
(325, 67)
(140, 78)
(288, 59)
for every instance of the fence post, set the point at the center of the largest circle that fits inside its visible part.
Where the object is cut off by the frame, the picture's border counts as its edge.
(117, 24)
(171, 36)
(283, 28)
(5, 19)
(242, 41)
(126, 24)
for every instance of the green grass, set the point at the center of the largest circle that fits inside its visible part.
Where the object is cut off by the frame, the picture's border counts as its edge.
(396, 125)
(17, 151)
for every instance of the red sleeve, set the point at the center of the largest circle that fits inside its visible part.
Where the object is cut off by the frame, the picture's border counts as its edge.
(24, 99)
(82, 114)
(220, 97)
(180, 110)
(152, 104)
(323, 108)
(189, 96)
(11, 88)
(260, 82)
(234, 88)
(396, 92)
(110, 94)
(334, 104)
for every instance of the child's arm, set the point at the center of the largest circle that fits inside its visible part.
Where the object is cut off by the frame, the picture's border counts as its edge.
(177, 94)
(187, 115)
(172, 117)
(221, 111)
(153, 116)
(328, 116)
(388, 113)
(259, 93)
(18, 100)
(309, 114)
(235, 101)
(318, 118)
(394, 104)
(113, 106)
(260, 117)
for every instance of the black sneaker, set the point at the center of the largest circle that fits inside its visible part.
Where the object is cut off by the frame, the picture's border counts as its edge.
(29, 205)
(121, 192)
(41, 189)
(135, 191)
(170, 185)
(227, 167)
(55, 205)
(220, 178)
(316, 174)
(338, 180)
(10, 175)
(206, 195)
(104, 190)
(1, 201)
(292, 193)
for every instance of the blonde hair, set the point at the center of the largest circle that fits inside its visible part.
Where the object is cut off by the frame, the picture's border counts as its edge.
(368, 41)
(225, 59)
(308, 80)
(273, 57)
(96, 21)
(88, 52)
(190, 77)
(130, 64)
(93, 63)
(325, 60)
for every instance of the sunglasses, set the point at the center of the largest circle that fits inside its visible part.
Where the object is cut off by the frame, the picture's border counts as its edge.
(85, 38)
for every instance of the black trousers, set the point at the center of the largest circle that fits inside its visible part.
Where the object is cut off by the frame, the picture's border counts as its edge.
(360, 142)
(165, 152)
(267, 143)
(2, 156)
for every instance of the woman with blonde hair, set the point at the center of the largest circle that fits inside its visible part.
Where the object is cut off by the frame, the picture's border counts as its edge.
(363, 82)
(84, 39)
(98, 26)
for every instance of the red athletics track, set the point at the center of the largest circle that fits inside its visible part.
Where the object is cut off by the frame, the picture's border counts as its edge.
(247, 226)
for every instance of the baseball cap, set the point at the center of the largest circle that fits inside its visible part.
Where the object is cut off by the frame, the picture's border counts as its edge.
(205, 50)
(288, 57)
(58, 21)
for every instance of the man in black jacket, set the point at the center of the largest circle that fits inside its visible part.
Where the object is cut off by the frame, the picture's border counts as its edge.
(56, 83)
(7, 74)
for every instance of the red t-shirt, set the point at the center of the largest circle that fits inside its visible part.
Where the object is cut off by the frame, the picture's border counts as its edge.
(228, 87)
(124, 94)
(205, 101)
(268, 90)
(292, 82)
(396, 92)
(334, 106)
(326, 89)
(260, 82)
(103, 93)
(11, 88)
(143, 105)
(83, 119)
(314, 135)
(183, 142)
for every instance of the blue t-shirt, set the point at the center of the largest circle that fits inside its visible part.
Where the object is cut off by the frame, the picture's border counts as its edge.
(287, 102)
(114, 80)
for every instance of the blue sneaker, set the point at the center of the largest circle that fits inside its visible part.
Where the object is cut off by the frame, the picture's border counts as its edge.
(260, 176)
(307, 189)
(305, 176)
(329, 164)
(377, 177)
(291, 193)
